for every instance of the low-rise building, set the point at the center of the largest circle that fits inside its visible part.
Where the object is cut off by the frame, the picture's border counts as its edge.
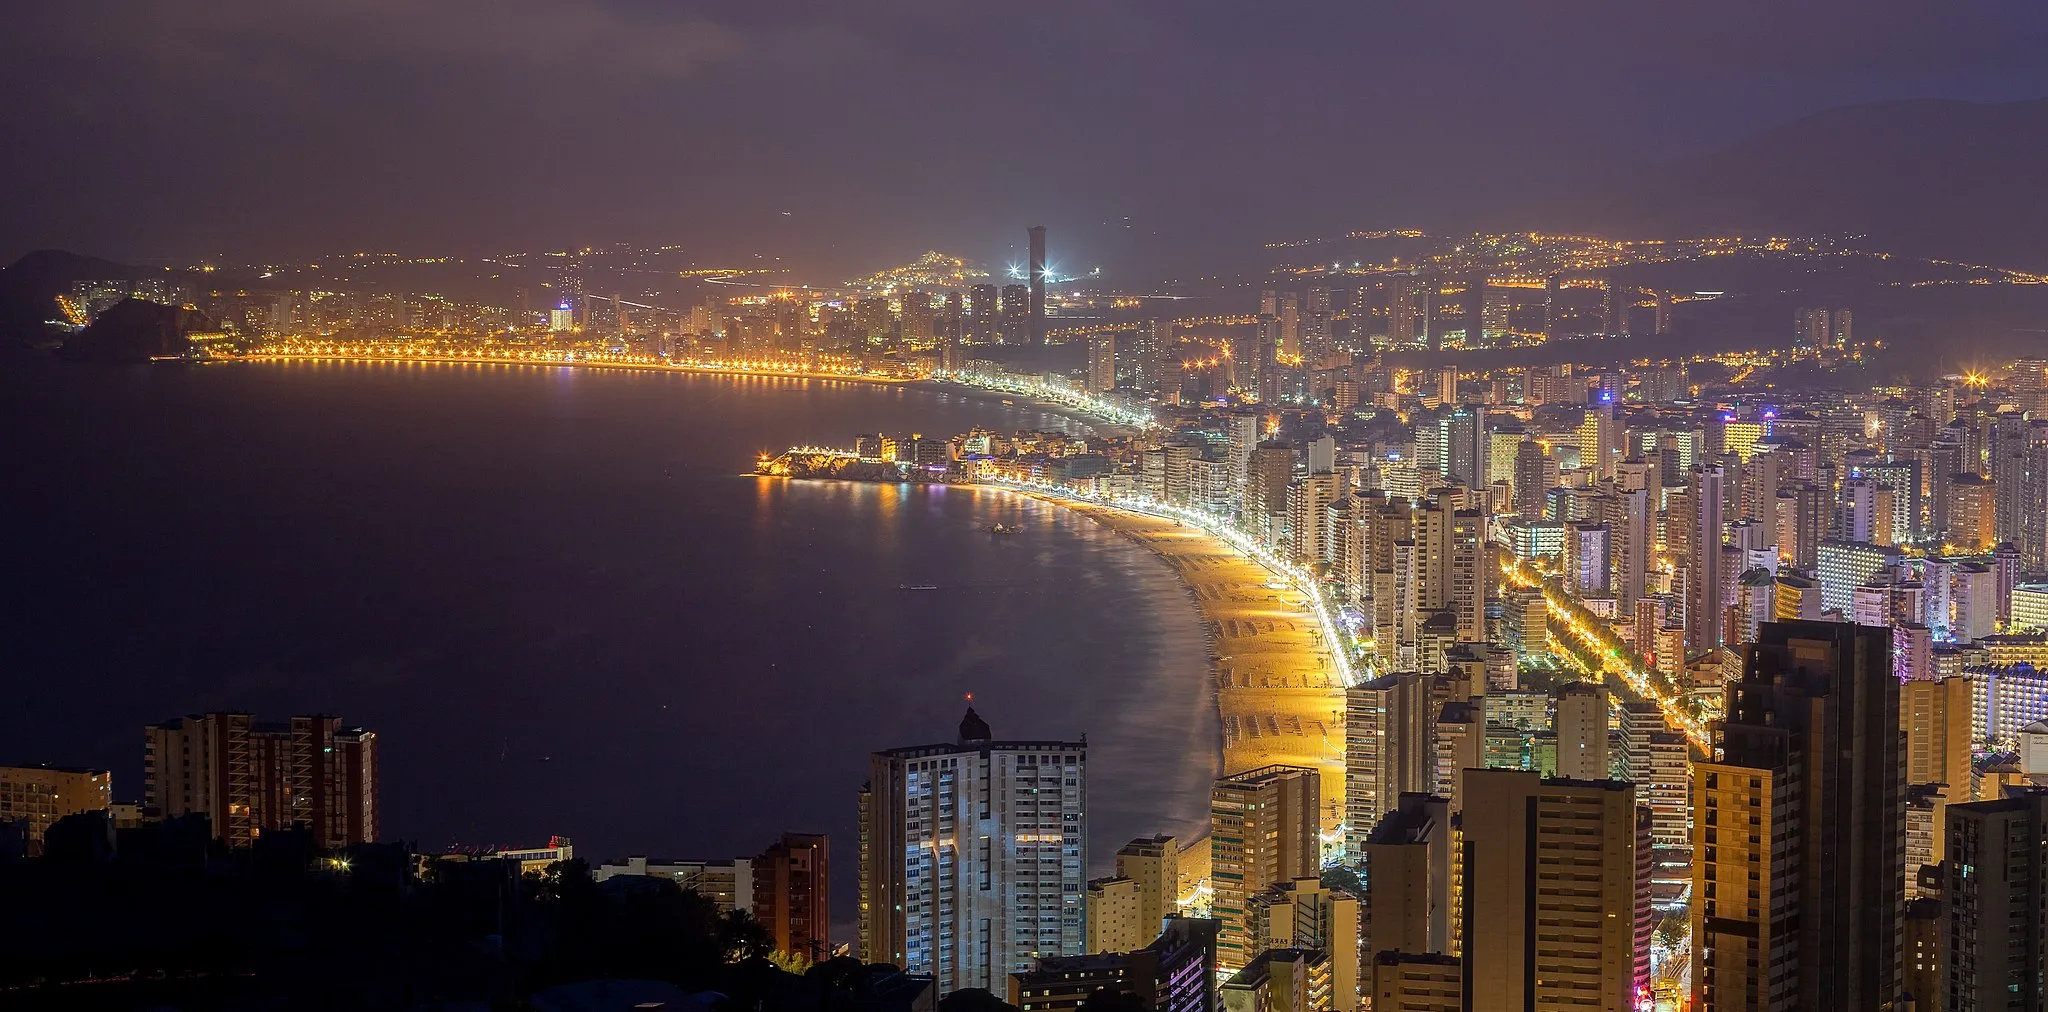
(40, 795)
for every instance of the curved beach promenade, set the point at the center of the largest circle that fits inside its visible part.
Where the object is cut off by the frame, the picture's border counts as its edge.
(1277, 688)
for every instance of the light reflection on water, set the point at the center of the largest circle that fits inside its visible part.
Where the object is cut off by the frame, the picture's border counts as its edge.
(564, 609)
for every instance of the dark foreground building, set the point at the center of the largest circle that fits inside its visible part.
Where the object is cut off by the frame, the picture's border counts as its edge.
(1799, 863)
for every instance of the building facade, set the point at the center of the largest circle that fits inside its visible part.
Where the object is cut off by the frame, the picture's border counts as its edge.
(1552, 890)
(793, 894)
(1799, 862)
(40, 795)
(249, 777)
(1996, 904)
(974, 856)
(1264, 827)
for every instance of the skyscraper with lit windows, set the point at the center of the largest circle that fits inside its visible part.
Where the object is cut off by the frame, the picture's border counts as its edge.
(1552, 893)
(981, 314)
(1703, 615)
(1265, 826)
(974, 856)
(1101, 363)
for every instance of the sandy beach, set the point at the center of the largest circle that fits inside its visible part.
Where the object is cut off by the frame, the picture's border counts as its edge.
(1277, 688)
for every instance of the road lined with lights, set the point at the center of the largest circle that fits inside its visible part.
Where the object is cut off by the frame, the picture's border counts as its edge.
(595, 360)
(1615, 656)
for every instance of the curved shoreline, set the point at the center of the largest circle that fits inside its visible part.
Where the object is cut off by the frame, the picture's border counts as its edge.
(582, 364)
(1278, 696)
(1095, 423)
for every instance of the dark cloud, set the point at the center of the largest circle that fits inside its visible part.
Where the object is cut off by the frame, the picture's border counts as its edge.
(253, 128)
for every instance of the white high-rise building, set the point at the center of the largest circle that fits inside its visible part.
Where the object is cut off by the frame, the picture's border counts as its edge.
(974, 856)
(1322, 455)
(1308, 504)
(1242, 431)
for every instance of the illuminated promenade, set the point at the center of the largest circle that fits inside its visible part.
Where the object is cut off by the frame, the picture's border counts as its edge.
(1093, 409)
(592, 361)
(1279, 689)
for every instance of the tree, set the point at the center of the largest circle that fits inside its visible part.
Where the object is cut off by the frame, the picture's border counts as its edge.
(1672, 932)
(741, 937)
(1347, 879)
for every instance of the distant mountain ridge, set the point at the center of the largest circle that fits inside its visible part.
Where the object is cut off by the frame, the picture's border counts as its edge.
(1936, 178)
(134, 331)
(30, 286)
(130, 331)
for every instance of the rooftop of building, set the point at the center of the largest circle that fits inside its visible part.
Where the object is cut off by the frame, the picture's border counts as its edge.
(670, 862)
(2015, 799)
(2021, 669)
(1096, 962)
(1140, 845)
(1397, 958)
(1559, 782)
(1286, 887)
(976, 736)
(960, 748)
(1457, 712)
(1388, 681)
(1411, 820)
(1265, 775)
(1260, 969)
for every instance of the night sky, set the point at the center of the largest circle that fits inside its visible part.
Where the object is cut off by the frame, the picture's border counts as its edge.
(253, 129)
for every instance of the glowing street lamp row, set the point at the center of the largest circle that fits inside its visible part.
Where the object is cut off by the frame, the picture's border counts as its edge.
(1616, 658)
(1216, 526)
(1057, 393)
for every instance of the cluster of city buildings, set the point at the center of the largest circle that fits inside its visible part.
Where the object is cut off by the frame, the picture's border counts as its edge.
(927, 318)
(316, 779)
(919, 316)
(1668, 693)
(243, 776)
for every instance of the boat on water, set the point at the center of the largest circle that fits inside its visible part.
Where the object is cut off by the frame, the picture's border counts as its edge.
(1004, 529)
(917, 586)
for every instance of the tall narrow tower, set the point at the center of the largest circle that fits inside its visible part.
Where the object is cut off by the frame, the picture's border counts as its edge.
(1037, 285)
(1703, 618)
(1264, 827)
(1799, 869)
